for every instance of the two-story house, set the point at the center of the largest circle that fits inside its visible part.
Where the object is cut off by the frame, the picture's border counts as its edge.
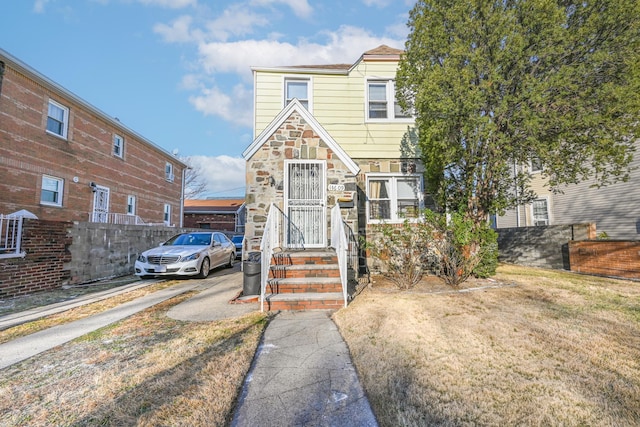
(63, 159)
(326, 136)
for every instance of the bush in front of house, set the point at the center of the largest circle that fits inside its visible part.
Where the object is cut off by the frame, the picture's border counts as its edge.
(452, 248)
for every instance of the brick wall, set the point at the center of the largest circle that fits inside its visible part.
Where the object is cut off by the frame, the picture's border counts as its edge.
(62, 253)
(46, 244)
(220, 222)
(613, 258)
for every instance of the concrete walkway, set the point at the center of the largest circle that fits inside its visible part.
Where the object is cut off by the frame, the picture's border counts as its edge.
(301, 375)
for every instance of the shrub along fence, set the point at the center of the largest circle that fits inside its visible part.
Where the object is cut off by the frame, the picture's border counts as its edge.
(69, 253)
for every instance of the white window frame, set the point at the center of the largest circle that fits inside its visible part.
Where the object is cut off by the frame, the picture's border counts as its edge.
(390, 99)
(535, 169)
(393, 178)
(293, 78)
(166, 216)
(64, 122)
(168, 172)
(533, 216)
(118, 146)
(59, 192)
(131, 205)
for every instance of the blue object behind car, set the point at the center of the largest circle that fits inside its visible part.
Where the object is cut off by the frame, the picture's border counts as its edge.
(237, 240)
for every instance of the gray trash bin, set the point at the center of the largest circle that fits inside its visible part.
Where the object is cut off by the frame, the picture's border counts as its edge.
(252, 269)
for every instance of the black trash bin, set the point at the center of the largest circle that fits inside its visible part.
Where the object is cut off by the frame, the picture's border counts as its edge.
(252, 269)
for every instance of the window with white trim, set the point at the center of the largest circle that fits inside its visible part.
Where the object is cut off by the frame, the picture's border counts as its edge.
(57, 119)
(51, 192)
(540, 209)
(167, 214)
(381, 101)
(535, 165)
(168, 172)
(131, 205)
(393, 198)
(118, 145)
(297, 88)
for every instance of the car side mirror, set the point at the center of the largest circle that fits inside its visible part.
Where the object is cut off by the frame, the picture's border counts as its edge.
(216, 244)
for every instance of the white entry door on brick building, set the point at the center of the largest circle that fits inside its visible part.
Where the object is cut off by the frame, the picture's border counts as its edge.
(100, 204)
(305, 204)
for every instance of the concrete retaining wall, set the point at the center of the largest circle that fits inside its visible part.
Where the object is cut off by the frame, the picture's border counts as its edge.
(542, 246)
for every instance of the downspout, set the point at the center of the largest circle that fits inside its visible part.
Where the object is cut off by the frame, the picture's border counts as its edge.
(184, 176)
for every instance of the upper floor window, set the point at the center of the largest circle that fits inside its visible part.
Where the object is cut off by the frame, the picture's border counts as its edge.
(168, 172)
(51, 193)
(393, 198)
(57, 119)
(297, 88)
(535, 165)
(131, 205)
(118, 145)
(381, 101)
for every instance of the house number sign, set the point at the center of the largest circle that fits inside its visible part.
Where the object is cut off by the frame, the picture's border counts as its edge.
(336, 187)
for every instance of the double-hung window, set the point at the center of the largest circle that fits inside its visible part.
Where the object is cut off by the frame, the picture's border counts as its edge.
(167, 214)
(51, 193)
(393, 198)
(540, 210)
(57, 119)
(118, 145)
(297, 88)
(381, 101)
(131, 205)
(168, 172)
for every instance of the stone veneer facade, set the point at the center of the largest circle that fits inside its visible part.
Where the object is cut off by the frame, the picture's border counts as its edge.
(294, 140)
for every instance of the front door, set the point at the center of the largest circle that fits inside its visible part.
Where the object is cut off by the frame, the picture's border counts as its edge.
(305, 204)
(100, 204)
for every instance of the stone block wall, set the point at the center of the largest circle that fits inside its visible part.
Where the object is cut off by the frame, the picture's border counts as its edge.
(294, 140)
(60, 253)
(542, 246)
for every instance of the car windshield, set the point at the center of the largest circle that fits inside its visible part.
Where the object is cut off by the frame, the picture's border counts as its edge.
(190, 240)
(236, 239)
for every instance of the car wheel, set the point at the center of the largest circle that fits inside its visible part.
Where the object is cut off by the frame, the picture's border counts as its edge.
(204, 269)
(232, 259)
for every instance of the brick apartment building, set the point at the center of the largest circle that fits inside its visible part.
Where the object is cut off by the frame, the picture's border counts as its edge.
(63, 159)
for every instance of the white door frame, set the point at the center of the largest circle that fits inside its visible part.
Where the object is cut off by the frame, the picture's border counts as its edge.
(310, 206)
(100, 211)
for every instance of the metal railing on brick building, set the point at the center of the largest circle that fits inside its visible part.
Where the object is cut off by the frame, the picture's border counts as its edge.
(11, 236)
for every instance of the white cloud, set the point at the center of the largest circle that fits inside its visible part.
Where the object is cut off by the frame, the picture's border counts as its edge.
(235, 107)
(378, 3)
(224, 175)
(344, 46)
(38, 6)
(171, 4)
(300, 8)
(178, 32)
(236, 20)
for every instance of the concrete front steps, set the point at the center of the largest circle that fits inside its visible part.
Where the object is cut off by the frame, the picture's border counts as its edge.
(304, 280)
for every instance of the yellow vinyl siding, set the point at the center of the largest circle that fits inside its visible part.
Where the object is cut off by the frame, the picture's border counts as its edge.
(339, 105)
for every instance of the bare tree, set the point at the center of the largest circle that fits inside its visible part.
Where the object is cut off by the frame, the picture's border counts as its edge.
(195, 184)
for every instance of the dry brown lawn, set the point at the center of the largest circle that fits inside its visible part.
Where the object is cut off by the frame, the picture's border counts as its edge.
(147, 370)
(534, 347)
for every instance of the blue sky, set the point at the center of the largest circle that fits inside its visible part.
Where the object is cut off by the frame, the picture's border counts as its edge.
(178, 71)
